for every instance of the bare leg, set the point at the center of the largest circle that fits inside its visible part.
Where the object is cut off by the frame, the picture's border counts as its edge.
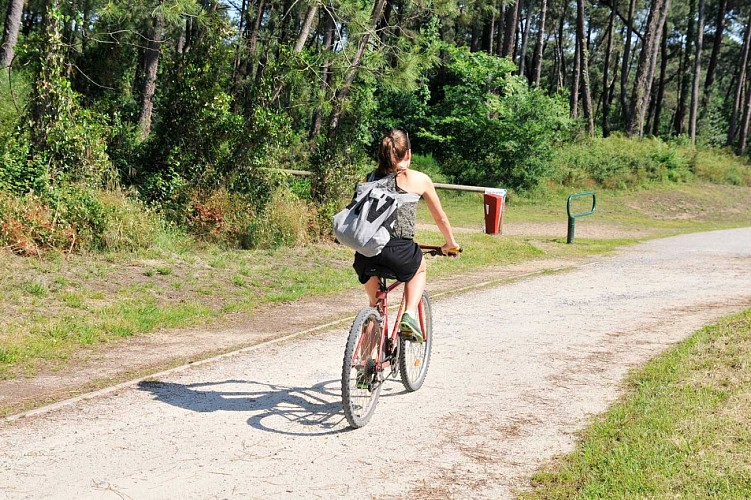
(372, 286)
(413, 289)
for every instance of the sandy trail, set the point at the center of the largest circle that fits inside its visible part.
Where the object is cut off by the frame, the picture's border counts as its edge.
(516, 371)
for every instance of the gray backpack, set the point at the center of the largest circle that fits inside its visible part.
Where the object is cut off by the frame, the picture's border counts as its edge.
(365, 224)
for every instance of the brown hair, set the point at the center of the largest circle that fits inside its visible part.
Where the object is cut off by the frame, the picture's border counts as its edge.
(393, 149)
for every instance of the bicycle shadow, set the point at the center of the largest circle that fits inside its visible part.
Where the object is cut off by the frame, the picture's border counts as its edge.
(299, 411)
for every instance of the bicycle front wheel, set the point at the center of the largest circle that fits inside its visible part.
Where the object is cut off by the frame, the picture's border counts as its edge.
(414, 358)
(361, 383)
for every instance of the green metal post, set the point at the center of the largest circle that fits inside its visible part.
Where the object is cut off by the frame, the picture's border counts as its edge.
(572, 217)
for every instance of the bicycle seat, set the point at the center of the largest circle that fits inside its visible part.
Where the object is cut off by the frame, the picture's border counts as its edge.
(380, 271)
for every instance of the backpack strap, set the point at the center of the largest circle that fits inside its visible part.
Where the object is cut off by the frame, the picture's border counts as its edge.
(372, 176)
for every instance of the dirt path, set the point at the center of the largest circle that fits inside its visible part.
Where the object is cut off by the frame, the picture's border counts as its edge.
(107, 364)
(517, 370)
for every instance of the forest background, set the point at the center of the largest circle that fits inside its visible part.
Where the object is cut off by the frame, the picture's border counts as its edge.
(116, 117)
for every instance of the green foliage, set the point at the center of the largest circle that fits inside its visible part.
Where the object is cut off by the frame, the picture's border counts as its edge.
(18, 175)
(719, 166)
(194, 136)
(67, 140)
(483, 125)
(427, 164)
(619, 162)
(14, 92)
(75, 217)
(285, 221)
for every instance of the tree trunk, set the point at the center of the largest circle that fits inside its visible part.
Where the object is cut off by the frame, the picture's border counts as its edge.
(737, 103)
(501, 34)
(475, 41)
(151, 67)
(716, 46)
(584, 63)
(45, 105)
(10, 32)
(305, 30)
(509, 30)
(661, 83)
(646, 67)
(693, 116)
(540, 43)
(680, 110)
(344, 90)
(575, 81)
(605, 76)
(491, 34)
(328, 42)
(248, 65)
(240, 33)
(525, 40)
(625, 111)
(561, 54)
(299, 44)
(743, 136)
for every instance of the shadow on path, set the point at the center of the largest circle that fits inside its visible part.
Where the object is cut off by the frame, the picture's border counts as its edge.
(299, 411)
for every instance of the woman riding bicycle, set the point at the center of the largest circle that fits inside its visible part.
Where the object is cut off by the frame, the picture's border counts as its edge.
(401, 255)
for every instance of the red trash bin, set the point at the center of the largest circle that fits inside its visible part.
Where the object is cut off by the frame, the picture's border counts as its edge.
(494, 200)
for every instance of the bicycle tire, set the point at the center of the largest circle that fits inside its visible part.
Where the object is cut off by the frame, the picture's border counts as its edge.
(360, 403)
(414, 358)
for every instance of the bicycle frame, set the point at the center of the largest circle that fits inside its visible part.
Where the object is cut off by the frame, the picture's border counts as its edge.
(383, 360)
(377, 351)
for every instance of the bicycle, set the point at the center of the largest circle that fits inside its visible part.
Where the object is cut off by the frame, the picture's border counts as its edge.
(372, 350)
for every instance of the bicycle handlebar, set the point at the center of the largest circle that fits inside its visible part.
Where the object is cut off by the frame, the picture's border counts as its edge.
(437, 250)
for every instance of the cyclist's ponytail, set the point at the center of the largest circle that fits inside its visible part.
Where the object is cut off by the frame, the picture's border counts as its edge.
(394, 147)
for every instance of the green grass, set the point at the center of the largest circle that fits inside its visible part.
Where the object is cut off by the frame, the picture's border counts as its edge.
(683, 430)
(666, 208)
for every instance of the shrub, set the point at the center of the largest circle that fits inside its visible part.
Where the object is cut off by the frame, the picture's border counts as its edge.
(488, 127)
(75, 217)
(17, 174)
(285, 221)
(428, 165)
(129, 224)
(619, 162)
(719, 166)
(29, 226)
(220, 217)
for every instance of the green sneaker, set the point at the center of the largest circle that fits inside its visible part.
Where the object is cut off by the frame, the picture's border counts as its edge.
(361, 382)
(410, 327)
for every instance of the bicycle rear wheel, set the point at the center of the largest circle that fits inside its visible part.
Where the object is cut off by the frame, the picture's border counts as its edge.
(361, 383)
(414, 358)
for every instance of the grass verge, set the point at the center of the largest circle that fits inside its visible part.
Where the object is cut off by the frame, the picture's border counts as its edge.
(682, 430)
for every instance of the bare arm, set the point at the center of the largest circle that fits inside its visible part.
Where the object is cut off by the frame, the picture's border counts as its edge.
(439, 216)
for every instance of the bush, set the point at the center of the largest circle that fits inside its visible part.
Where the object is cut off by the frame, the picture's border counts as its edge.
(232, 219)
(220, 217)
(719, 166)
(285, 221)
(488, 127)
(427, 165)
(29, 226)
(618, 162)
(75, 217)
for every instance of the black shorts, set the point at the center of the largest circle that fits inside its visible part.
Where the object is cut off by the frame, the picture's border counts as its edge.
(399, 259)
